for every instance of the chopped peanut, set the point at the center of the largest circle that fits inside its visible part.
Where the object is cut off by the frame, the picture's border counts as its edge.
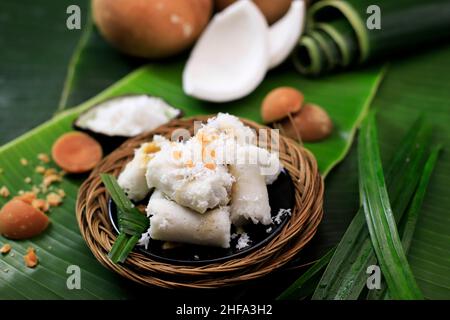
(210, 166)
(189, 164)
(145, 159)
(54, 199)
(61, 193)
(204, 138)
(27, 197)
(23, 161)
(177, 154)
(50, 172)
(31, 259)
(50, 179)
(40, 204)
(4, 192)
(35, 190)
(5, 249)
(40, 169)
(206, 154)
(43, 157)
(28, 180)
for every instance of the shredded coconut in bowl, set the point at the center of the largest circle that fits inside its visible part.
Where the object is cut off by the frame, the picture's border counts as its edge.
(128, 116)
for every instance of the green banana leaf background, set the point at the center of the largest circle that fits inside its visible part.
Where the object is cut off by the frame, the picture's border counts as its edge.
(48, 72)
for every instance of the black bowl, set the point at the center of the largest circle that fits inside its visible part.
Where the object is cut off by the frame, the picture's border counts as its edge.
(281, 196)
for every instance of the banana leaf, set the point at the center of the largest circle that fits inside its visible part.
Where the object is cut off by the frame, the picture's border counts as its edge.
(404, 25)
(345, 107)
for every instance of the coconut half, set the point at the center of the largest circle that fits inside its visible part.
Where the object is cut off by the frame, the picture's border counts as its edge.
(231, 57)
(285, 33)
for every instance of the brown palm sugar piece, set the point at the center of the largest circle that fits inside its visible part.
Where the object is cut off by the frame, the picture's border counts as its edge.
(54, 199)
(27, 197)
(76, 152)
(19, 220)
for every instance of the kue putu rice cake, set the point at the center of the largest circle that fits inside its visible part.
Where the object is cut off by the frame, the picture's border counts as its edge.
(132, 178)
(171, 222)
(193, 184)
(232, 127)
(203, 185)
(250, 199)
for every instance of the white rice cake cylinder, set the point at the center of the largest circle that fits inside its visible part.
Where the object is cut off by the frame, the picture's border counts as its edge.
(232, 127)
(196, 187)
(172, 222)
(268, 163)
(249, 196)
(132, 178)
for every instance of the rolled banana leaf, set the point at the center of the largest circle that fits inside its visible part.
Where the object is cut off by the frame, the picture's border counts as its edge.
(340, 34)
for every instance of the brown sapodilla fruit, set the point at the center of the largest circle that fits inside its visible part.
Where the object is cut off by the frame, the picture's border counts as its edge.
(151, 28)
(280, 103)
(312, 123)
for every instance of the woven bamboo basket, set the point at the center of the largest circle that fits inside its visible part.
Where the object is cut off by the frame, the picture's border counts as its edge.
(96, 228)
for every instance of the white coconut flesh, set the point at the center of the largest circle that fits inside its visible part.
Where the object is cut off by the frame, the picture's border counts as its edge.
(231, 57)
(127, 116)
(285, 33)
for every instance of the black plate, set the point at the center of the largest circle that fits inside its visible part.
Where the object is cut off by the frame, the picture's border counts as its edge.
(281, 196)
